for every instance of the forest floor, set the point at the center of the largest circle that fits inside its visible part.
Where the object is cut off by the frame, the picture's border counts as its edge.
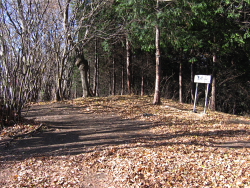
(124, 141)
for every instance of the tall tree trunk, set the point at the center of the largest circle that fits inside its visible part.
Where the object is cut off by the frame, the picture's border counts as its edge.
(113, 78)
(129, 74)
(58, 82)
(122, 82)
(213, 92)
(192, 81)
(110, 74)
(83, 67)
(157, 94)
(67, 82)
(142, 85)
(63, 57)
(180, 83)
(96, 72)
(59, 90)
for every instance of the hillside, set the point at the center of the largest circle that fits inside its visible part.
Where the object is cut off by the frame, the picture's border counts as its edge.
(125, 141)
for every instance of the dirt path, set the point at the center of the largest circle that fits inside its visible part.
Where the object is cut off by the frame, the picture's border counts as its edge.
(91, 146)
(70, 132)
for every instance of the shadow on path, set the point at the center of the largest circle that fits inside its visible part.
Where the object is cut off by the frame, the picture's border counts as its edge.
(71, 131)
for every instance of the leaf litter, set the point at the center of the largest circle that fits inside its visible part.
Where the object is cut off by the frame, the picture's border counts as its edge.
(183, 149)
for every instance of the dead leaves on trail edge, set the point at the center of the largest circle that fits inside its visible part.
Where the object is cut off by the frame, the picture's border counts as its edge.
(182, 149)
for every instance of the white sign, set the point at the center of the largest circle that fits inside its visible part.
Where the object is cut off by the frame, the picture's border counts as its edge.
(205, 79)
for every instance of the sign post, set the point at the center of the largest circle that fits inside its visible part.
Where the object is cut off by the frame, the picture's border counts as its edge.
(204, 79)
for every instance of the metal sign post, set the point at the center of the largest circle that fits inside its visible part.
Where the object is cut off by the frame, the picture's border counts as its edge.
(204, 79)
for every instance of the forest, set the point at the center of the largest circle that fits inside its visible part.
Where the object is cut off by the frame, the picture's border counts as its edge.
(59, 50)
(99, 93)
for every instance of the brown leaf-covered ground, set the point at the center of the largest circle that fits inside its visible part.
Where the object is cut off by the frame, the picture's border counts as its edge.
(125, 141)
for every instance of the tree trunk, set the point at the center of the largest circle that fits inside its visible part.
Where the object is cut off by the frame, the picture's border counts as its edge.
(96, 73)
(129, 75)
(192, 81)
(110, 82)
(113, 78)
(157, 94)
(58, 90)
(63, 57)
(83, 67)
(142, 85)
(213, 92)
(60, 72)
(180, 83)
(122, 82)
(58, 82)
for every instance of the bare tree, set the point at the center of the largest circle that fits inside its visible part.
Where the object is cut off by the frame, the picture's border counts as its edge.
(41, 41)
(80, 25)
(22, 57)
